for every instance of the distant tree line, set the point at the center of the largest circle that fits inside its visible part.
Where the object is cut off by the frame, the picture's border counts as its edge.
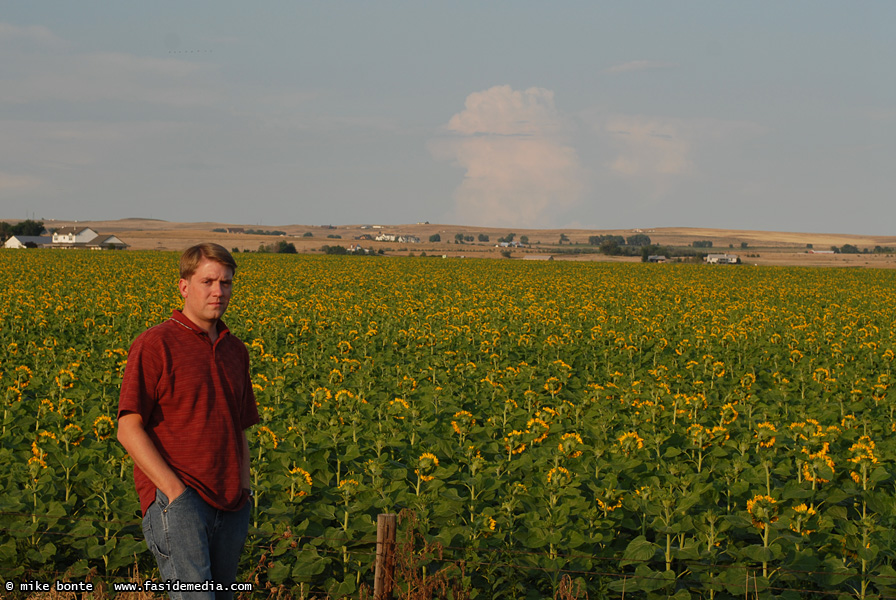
(342, 250)
(265, 232)
(617, 245)
(639, 239)
(669, 252)
(281, 247)
(638, 245)
(465, 238)
(852, 249)
(26, 227)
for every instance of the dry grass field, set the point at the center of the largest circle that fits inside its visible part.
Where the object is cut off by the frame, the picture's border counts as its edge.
(763, 247)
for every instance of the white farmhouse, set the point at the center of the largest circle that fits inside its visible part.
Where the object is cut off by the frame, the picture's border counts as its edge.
(73, 235)
(722, 259)
(85, 238)
(106, 242)
(27, 241)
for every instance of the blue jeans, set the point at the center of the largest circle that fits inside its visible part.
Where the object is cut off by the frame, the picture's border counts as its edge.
(195, 542)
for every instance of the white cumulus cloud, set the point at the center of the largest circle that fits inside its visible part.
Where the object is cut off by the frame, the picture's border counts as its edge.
(519, 170)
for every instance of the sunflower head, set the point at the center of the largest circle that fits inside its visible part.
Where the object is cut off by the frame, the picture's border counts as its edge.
(463, 422)
(301, 479)
(630, 443)
(559, 477)
(426, 466)
(765, 434)
(103, 427)
(763, 510)
(570, 444)
(267, 437)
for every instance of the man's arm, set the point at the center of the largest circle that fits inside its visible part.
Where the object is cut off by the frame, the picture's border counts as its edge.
(143, 451)
(245, 479)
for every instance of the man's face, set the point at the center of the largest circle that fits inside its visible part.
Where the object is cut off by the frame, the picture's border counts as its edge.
(207, 292)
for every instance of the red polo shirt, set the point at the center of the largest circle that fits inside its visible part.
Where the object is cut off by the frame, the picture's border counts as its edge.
(195, 399)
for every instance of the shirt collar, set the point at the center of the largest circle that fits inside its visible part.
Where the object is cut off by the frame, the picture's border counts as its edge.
(181, 319)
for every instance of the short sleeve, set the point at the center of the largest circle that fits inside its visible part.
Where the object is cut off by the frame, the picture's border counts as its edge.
(141, 377)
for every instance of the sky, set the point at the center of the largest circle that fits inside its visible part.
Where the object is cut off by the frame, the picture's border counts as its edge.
(767, 115)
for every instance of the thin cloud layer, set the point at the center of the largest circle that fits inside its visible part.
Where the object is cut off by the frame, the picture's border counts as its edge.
(107, 77)
(653, 145)
(649, 146)
(519, 172)
(656, 154)
(33, 36)
(641, 65)
(19, 183)
(42, 67)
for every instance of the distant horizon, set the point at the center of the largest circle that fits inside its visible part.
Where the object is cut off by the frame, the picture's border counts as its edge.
(642, 229)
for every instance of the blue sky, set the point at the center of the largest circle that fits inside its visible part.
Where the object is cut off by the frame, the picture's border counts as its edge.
(752, 115)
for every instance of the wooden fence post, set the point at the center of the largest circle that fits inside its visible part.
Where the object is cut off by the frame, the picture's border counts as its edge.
(385, 557)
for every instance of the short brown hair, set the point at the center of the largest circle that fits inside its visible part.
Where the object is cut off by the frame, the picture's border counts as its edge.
(192, 256)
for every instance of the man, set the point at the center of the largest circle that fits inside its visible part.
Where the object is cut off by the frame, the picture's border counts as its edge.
(186, 399)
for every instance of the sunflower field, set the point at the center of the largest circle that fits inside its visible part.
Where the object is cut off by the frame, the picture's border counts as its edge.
(653, 430)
